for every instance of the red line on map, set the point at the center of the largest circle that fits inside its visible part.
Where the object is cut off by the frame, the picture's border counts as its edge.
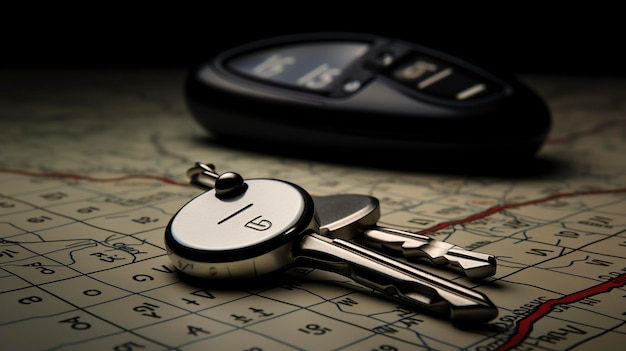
(499, 208)
(440, 226)
(525, 326)
(92, 179)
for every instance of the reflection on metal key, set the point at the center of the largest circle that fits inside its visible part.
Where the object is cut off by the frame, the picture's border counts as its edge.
(354, 217)
(242, 229)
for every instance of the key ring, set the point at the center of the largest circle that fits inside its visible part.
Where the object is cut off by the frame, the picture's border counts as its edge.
(208, 239)
(226, 184)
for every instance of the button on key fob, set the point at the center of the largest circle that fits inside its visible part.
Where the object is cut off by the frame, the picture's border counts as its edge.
(362, 96)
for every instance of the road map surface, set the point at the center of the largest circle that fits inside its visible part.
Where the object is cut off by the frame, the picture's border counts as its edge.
(92, 169)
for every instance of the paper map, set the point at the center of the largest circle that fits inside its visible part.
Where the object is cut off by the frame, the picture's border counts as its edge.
(93, 165)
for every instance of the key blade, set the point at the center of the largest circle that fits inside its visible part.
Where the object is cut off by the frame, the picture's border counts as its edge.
(355, 217)
(408, 284)
(413, 246)
(476, 265)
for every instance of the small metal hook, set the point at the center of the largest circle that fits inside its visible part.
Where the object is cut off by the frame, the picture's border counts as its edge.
(226, 185)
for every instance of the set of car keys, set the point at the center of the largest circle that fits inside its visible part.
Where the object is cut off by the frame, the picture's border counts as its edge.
(240, 229)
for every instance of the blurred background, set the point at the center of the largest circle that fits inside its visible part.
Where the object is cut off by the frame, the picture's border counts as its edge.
(522, 38)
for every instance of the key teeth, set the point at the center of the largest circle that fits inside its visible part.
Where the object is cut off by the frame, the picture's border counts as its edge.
(434, 253)
(416, 247)
(474, 265)
(479, 272)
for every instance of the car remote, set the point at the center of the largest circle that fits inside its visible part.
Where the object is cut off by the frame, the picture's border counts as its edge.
(360, 96)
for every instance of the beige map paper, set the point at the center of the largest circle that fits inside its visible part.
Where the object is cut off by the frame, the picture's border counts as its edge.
(92, 168)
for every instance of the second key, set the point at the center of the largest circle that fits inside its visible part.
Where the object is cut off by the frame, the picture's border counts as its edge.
(355, 216)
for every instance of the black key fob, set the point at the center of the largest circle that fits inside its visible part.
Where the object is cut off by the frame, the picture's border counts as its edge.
(360, 97)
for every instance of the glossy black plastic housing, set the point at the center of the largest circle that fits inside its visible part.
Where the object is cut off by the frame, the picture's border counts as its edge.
(368, 113)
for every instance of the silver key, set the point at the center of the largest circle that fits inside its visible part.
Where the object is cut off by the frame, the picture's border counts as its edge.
(240, 230)
(354, 217)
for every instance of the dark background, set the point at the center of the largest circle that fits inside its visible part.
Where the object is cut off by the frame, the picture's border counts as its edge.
(522, 38)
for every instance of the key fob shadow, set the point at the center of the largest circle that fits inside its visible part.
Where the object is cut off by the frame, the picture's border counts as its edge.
(361, 98)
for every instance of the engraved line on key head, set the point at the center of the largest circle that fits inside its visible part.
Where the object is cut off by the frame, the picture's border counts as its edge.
(234, 214)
